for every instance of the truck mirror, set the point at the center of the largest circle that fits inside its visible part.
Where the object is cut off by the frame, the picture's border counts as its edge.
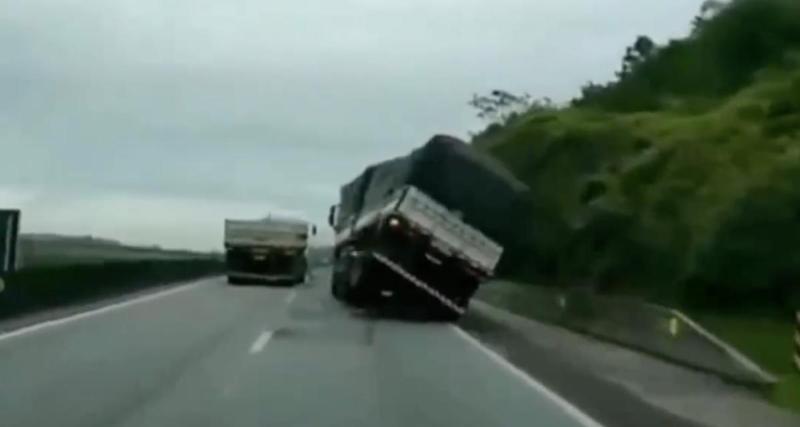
(331, 215)
(313, 230)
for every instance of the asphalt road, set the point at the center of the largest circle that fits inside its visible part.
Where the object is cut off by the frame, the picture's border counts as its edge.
(209, 354)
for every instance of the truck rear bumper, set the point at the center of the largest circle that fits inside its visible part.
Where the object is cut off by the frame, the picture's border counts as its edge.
(264, 277)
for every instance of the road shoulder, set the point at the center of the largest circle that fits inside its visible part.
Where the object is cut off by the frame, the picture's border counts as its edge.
(616, 386)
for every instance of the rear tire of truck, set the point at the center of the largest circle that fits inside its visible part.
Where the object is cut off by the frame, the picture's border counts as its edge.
(358, 275)
(336, 286)
(233, 280)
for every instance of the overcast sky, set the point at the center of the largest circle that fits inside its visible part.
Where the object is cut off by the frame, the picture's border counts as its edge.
(150, 121)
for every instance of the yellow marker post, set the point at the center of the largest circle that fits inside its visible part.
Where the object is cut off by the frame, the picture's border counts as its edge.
(562, 302)
(797, 341)
(674, 326)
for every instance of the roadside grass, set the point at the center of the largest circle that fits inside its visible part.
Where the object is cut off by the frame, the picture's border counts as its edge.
(768, 342)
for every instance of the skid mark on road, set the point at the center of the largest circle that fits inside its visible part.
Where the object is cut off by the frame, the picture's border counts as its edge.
(571, 410)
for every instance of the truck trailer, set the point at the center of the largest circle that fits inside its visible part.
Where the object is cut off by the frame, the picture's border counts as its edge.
(423, 231)
(270, 250)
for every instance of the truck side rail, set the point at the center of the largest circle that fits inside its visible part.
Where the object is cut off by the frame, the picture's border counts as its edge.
(449, 233)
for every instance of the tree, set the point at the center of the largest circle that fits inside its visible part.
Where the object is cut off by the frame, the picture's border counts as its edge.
(641, 49)
(500, 106)
(708, 10)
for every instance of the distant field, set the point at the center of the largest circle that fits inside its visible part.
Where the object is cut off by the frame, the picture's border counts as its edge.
(54, 250)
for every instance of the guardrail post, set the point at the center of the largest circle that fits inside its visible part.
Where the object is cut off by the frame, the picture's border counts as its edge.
(9, 230)
(797, 341)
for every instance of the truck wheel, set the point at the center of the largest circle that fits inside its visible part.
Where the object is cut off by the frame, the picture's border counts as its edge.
(336, 286)
(357, 277)
(233, 281)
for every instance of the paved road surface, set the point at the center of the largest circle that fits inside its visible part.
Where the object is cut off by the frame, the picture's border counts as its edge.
(213, 355)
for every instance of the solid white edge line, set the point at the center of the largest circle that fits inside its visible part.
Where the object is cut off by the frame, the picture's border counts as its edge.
(98, 311)
(571, 410)
(735, 354)
(260, 342)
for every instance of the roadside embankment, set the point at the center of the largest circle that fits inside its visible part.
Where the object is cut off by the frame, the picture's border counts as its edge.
(656, 330)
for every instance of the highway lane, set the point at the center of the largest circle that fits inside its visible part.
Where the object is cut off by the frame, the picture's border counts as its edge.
(210, 354)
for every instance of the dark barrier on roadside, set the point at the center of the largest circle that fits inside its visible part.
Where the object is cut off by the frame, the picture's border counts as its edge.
(660, 331)
(9, 231)
(38, 289)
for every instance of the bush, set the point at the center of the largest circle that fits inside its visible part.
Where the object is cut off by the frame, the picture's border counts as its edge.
(787, 125)
(753, 258)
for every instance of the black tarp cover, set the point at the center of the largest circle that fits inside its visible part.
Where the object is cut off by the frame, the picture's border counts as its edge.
(451, 172)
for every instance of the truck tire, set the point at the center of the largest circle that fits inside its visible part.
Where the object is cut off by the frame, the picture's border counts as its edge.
(335, 291)
(337, 287)
(233, 280)
(354, 286)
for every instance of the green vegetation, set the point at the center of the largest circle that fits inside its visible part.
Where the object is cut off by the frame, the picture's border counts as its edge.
(769, 343)
(680, 180)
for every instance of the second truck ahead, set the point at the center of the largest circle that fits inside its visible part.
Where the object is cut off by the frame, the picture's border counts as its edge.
(424, 230)
(266, 250)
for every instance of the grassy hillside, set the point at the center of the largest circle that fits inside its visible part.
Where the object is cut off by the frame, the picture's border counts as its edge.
(680, 180)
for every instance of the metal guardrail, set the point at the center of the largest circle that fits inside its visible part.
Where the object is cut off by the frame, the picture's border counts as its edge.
(661, 331)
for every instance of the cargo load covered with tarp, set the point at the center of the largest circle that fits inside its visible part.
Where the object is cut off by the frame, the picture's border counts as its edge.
(465, 181)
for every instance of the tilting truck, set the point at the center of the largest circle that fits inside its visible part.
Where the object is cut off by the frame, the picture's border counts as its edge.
(423, 231)
(270, 250)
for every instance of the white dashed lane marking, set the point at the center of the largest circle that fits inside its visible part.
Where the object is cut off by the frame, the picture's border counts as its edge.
(260, 342)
